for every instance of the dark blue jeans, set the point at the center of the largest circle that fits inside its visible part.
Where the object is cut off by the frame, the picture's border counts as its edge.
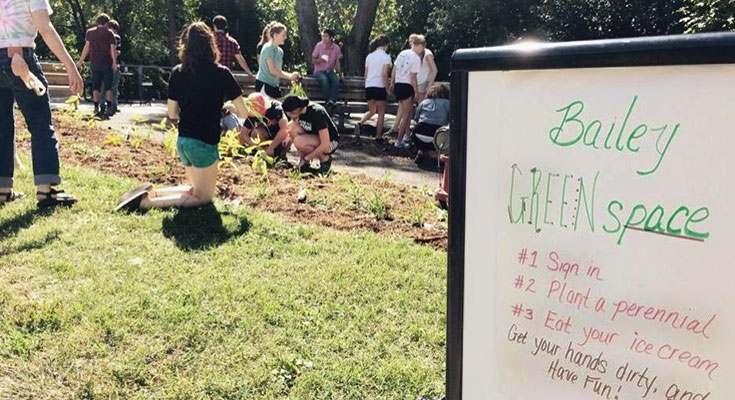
(330, 84)
(36, 111)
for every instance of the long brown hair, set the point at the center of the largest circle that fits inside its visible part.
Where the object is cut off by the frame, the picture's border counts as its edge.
(197, 45)
(266, 36)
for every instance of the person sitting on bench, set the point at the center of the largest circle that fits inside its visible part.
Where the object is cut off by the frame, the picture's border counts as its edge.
(266, 121)
(312, 132)
(431, 114)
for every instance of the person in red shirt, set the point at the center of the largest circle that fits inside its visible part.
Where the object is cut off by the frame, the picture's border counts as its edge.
(100, 47)
(229, 48)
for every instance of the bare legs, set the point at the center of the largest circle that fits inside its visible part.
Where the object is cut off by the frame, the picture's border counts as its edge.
(204, 184)
(406, 111)
(376, 107)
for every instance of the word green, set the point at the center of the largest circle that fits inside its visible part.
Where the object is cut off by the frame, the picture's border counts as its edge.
(572, 130)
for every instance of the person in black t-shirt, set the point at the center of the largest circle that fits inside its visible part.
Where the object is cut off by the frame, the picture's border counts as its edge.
(198, 88)
(312, 131)
(266, 122)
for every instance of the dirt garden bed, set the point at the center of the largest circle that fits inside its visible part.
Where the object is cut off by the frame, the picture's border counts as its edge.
(338, 200)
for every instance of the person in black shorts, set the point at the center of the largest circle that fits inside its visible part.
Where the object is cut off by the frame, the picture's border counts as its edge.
(377, 67)
(404, 85)
(312, 132)
(266, 122)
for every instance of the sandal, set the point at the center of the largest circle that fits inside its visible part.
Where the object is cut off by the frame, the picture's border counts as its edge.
(7, 197)
(131, 200)
(54, 198)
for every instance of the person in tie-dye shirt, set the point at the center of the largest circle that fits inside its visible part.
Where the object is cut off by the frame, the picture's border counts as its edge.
(20, 23)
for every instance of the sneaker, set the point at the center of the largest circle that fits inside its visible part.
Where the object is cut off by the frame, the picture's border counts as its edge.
(111, 110)
(401, 145)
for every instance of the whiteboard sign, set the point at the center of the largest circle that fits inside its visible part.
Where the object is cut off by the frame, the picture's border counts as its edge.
(591, 244)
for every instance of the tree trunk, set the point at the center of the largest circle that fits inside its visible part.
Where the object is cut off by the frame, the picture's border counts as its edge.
(356, 47)
(172, 32)
(308, 28)
(80, 21)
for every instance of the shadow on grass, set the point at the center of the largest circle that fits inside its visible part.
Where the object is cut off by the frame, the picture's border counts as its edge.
(12, 226)
(196, 229)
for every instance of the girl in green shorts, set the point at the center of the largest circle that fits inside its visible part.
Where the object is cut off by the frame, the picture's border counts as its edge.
(198, 88)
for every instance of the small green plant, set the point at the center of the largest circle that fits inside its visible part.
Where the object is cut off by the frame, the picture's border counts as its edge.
(169, 140)
(262, 190)
(287, 371)
(129, 163)
(417, 214)
(297, 89)
(114, 139)
(72, 103)
(377, 205)
(136, 141)
(230, 146)
(355, 191)
(295, 173)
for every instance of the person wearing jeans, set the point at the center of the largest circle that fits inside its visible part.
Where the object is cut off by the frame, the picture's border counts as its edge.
(326, 57)
(24, 19)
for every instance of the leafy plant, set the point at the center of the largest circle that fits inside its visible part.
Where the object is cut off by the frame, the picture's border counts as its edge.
(73, 103)
(114, 139)
(288, 371)
(377, 205)
(136, 141)
(169, 140)
(297, 89)
(230, 146)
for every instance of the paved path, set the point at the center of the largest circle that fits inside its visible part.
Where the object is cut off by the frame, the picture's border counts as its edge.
(350, 159)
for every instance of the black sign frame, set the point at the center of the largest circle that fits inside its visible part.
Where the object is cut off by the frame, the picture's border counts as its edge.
(697, 49)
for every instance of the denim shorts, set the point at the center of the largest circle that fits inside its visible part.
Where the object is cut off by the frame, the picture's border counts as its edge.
(195, 153)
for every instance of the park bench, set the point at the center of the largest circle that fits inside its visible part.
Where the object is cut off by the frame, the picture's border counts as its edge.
(350, 99)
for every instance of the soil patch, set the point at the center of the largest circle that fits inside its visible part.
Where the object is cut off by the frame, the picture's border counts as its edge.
(338, 200)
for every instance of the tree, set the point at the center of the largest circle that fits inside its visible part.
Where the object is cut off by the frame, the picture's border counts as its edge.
(308, 27)
(708, 15)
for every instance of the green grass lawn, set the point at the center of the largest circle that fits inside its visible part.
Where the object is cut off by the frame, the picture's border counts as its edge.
(216, 303)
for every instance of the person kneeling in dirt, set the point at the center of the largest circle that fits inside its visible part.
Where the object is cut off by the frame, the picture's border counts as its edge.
(229, 120)
(266, 121)
(312, 132)
(431, 114)
(197, 90)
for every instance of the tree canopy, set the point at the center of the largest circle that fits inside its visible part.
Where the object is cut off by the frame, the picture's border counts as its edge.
(150, 27)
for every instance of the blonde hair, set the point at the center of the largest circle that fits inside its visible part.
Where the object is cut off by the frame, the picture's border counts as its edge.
(417, 40)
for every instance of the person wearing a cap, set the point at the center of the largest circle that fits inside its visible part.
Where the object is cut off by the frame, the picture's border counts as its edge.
(312, 131)
(266, 121)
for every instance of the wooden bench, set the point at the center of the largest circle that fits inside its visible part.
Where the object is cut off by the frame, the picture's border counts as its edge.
(350, 99)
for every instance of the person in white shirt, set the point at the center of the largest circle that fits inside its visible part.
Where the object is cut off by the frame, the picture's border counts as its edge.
(404, 85)
(23, 82)
(428, 71)
(377, 66)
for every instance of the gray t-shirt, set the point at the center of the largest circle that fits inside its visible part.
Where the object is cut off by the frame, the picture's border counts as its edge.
(269, 52)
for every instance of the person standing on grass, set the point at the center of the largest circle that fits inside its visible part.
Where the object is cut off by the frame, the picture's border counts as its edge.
(428, 71)
(271, 63)
(100, 47)
(377, 67)
(266, 122)
(312, 132)
(404, 84)
(325, 58)
(22, 21)
(229, 48)
(198, 88)
(431, 114)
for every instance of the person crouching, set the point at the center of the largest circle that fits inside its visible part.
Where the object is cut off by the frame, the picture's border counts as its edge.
(312, 132)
